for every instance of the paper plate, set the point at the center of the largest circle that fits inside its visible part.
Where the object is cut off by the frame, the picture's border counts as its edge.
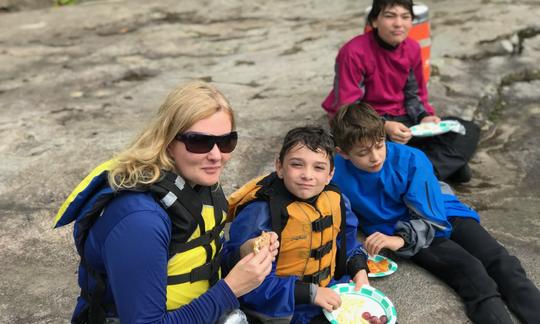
(354, 303)
(432, 129)
(392, 266)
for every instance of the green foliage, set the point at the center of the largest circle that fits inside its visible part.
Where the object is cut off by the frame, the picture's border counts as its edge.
(64, 2)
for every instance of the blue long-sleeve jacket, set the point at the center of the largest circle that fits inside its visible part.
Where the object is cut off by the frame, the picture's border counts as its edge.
(130, 242)
(404, 196)
(275, 297)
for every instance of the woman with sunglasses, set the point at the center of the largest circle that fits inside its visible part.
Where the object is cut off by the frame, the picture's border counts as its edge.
(148, 224)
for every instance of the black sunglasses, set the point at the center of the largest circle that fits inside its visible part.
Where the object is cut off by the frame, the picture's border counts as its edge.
(203, 143)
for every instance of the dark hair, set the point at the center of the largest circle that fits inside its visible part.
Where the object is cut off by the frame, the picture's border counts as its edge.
(357, 123)
(380, 5)
(313, 137)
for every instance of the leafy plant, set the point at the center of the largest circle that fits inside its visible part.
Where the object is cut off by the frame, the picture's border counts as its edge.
(64, 2)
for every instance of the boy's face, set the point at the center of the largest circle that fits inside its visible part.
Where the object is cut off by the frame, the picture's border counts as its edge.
(393, 24)
(304, 172)
(367, 158)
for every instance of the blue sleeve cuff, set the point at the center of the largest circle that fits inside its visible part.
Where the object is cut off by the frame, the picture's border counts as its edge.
(225, 291)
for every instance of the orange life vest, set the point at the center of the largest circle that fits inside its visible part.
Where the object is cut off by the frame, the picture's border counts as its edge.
(307, 230)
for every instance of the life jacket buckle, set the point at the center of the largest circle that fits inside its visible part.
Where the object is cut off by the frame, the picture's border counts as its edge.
(317, 277)
(321, 224)
(321, 251)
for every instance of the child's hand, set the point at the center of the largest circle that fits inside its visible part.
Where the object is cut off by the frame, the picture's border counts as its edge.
(360, 279)
(397, 132)
(327, 299)
(378, 241)
(431, 119)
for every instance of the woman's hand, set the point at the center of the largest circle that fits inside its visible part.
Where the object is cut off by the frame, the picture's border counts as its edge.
(431, 119)
(327, 299)
(397, 132)
(360, 279)
(274, 245)
(249, 272)
(378, 241)
(248, 246)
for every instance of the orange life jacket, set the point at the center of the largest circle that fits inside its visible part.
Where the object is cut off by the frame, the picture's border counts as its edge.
(307, 230)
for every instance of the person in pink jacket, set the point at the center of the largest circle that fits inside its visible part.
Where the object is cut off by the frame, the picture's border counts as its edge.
(383, 68)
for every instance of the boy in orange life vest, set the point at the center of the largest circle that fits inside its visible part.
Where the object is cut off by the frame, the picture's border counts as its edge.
(316, 227)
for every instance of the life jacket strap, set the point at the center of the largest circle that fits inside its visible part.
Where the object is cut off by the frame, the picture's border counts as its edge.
(204, 272)
(321, 251)
(206, 239)
(321, 224)
(317, 277)
(95, 310)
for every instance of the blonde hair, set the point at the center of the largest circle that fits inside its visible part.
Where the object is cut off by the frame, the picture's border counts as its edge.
(141, 162)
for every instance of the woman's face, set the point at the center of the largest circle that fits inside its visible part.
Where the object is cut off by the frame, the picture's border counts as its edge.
(202, 168)
(393, 24)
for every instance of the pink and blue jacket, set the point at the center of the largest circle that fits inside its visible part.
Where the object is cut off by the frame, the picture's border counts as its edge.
(388, 78)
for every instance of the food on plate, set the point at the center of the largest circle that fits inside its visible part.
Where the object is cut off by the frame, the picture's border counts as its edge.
(262, 241)
(378, 266)
(428, 127)
(372, 319)
(365, 306)
(350, 310)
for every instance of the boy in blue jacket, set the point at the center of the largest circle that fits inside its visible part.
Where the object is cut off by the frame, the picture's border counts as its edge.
(315, 225)
(402, 207)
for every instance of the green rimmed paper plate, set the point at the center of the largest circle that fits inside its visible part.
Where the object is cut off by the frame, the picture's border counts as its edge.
(432, 129)
(392, 266)
(354, 303)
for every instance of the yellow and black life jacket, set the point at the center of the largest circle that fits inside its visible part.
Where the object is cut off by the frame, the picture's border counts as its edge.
(307, 230)
(197, 216)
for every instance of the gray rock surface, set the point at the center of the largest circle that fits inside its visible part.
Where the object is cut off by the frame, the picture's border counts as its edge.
(78, 82)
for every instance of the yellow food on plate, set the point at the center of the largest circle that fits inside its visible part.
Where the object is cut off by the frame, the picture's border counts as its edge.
(350, 311)
(380, 266)
(261, 241)
(428, 127)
